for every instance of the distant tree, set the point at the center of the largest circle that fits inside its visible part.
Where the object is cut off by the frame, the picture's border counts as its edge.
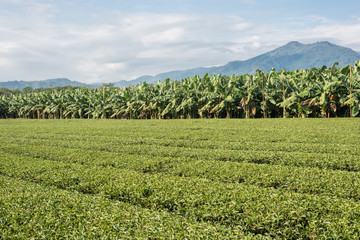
(27, 89)
(107, 86)
(6, 92)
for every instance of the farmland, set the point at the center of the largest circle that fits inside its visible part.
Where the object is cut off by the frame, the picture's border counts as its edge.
(326, 92)
(176, 179)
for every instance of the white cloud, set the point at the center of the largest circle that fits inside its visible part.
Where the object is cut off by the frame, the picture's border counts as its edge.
(114, 50)
(4, 62)
(165, 37)
(344, 33)
(256, 44)
(92, 71)
(115, 66)
(35, 46)
(6, 47)
(241, 26)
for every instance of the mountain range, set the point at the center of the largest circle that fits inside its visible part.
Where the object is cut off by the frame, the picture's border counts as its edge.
(291, 56)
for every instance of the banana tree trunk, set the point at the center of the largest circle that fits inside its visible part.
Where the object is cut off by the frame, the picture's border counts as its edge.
(247, 103)
(262, 91)
(228, 115)
(350, 91)
(284, 108)
(284, 112)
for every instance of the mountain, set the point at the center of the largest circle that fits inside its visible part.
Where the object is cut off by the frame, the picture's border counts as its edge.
(295, 55)
(145, 78)
(57, 82)
(291, 56)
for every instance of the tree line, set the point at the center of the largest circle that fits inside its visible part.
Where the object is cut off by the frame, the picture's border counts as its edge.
(318, 92)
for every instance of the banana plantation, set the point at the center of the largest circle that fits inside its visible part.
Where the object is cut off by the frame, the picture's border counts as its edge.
(318, 92)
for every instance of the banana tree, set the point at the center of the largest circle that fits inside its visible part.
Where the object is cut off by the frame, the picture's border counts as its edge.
(298, 102)
(189, 93)
(284, 85)
(353, 97)
(229, 94)
(248, 100)
(271, 91)
(60, 100)
(328, 89)
(77, 104)
(101, 105)
(4, 106)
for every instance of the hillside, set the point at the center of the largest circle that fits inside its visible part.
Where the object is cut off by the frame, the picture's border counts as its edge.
(294, 55)
(57, 82)
(291, 56)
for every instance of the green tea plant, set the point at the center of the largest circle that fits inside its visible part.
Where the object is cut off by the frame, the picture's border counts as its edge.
(180, 179)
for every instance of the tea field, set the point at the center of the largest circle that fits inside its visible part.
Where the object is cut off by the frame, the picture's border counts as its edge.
(180, 179)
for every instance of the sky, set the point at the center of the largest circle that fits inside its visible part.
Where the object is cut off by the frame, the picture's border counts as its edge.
(111, 40)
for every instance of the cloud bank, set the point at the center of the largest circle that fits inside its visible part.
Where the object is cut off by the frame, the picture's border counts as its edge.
(36, 45)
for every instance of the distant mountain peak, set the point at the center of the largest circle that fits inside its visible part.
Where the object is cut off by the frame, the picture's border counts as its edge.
(325, 43)
(294, 43)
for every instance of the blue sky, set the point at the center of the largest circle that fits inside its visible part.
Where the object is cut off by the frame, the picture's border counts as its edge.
(113, 40)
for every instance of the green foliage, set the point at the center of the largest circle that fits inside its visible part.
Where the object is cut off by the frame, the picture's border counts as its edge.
(9, 92)
(177, 179)
(303, 93)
